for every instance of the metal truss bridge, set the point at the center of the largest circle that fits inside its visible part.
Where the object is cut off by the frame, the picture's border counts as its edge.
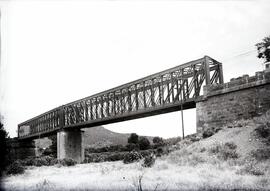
(159, 93)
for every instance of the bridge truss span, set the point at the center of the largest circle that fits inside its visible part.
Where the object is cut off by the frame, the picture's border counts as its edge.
(155, 94)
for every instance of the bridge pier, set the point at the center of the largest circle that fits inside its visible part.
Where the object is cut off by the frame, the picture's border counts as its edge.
(70, 145)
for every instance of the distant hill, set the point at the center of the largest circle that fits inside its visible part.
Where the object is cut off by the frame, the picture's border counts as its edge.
(95, 137)
(100, 136)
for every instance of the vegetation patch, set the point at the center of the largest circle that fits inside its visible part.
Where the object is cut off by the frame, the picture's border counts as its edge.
(131, 157)
(149, 161)
(251, 169)
(225, 151)
(15, 168)
(261, 154)
(208, 132)
(67, 162)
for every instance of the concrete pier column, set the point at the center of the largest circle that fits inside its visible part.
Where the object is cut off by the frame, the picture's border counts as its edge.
(70, 145)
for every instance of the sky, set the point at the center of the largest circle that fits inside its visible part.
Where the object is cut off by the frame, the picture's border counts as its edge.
(55, 52)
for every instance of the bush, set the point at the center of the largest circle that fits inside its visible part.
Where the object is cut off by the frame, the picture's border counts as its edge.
(158, 141)
(208, 132)
(250, 168)
(230, 145)
(115, 157)
(149, 161)
(67, 162)
(132, 157)
(263, 130)
(159, 152)
(40, 161)
(15, 168)
(132, 146)
(225, 151)
(3, 147)
(43, 161)
(133, 138)
(261, 154)
(144, 143)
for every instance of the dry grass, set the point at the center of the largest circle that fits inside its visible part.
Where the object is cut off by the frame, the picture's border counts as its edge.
(225, 160)
(164, 175)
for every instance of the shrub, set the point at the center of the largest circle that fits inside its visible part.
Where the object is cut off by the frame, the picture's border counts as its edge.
(115, 157)
(144, 143)
(149, 161)
(132, 157)
(133, 138)
(225, 151)
(3, 147)
(226, 154)
(159, 152)
(230, 145)
(40, 161)
(250, 168)
(15, 168)
(132, 146)
(158, 141)
(263, 130)
(67, 162)
(261, 154)
(208, 132)
(43, 161)
(215, 149)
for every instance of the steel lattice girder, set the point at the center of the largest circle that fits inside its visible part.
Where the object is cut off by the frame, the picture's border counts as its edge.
(155, 94)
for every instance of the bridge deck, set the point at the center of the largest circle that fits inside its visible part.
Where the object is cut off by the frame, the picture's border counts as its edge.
(159, 93)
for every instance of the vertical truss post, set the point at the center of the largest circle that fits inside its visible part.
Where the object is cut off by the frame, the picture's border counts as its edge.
(114, 105)
(185, 85)
(178, 90)
(152, 93)
(168, 91)
(121, 101)
(159, 92)
(162, 90)
(172, 86)
(207, 70)
(91, 110)
(108, 106)
(96, 103)
(86, 110)
(195, 81)
(144, 98)
(220, 72)
(101, 106)
(136, 97)
(129, 101)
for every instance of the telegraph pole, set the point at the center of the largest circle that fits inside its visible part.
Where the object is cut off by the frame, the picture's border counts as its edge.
(182, 114)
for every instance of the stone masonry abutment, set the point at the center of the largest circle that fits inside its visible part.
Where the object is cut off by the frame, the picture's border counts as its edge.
(242, 98)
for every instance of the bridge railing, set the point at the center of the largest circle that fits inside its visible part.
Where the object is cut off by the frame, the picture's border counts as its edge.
(179, 84)
(48, 121)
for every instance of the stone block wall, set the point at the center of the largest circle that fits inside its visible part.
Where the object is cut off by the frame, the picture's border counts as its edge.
(241, 98)
(20, 149)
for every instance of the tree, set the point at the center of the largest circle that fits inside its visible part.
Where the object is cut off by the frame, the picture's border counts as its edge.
(144, 143)
(264, 49)
(158, 141)
(3, 147)
(133, 138)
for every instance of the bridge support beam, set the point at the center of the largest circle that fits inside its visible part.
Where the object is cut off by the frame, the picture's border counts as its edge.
(70, 145)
